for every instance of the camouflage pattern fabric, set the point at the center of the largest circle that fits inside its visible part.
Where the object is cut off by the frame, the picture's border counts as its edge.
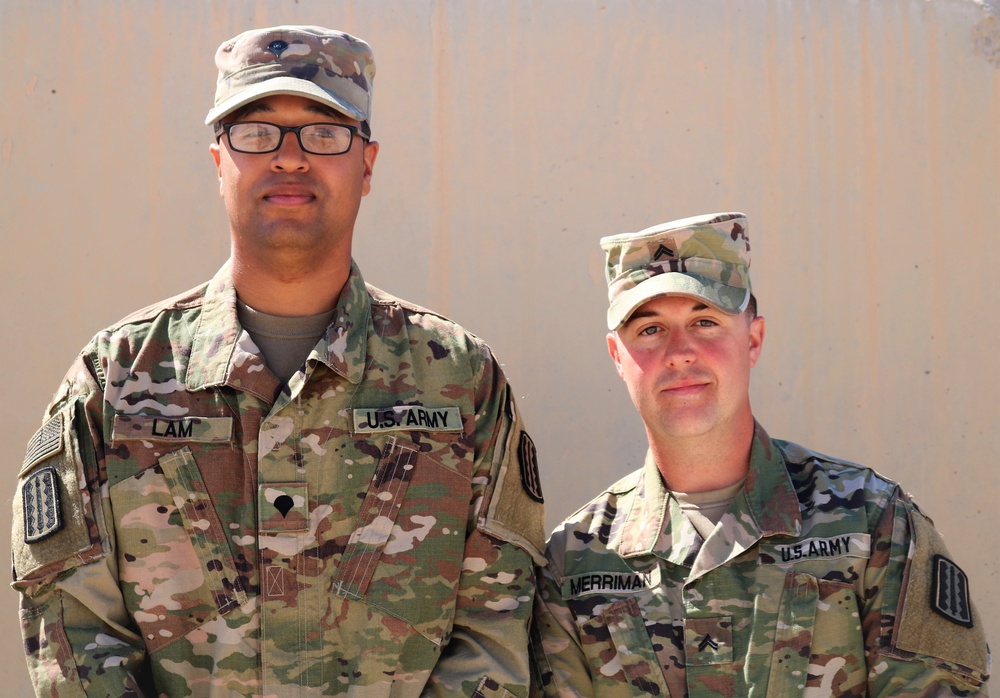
(370, 529)
(325, 65)
(816, 582)
(706, 256)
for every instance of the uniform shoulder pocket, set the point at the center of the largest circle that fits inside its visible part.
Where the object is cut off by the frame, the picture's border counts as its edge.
(54, 526)
(936, 618)
(515, 511)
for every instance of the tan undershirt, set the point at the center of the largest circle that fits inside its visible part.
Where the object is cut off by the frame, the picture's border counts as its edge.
(285, 342)
(705, 509)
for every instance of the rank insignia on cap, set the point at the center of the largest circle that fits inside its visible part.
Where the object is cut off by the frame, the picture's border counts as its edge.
(663, 251)
(277, 47)
(528, 458)
(40, 496)
(950, 592)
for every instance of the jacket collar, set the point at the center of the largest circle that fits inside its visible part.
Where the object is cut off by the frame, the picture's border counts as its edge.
(655, 524)
(222, 353)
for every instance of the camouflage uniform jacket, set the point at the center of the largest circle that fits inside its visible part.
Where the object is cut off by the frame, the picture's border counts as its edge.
(186, 526)
(818, 581)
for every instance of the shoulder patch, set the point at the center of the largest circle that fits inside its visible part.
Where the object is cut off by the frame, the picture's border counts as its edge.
(40, 498)
(54, 526)
(514, 511)
(950, 592)
(527, 457)
(936, 617)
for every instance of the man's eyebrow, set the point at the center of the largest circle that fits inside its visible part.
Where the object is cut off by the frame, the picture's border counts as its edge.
(254, 109)
(263, 108)
(318, 108)
(639, 314)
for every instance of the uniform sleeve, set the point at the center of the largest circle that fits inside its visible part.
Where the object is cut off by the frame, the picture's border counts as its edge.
(78, 637)
(559, 667)
(487, 653)
(924, 636)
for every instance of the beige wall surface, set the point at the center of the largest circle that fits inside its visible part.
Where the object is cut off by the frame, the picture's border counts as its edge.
(862, 138)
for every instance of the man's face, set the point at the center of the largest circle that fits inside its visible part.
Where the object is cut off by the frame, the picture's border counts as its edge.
(290, 200)
(687, 366)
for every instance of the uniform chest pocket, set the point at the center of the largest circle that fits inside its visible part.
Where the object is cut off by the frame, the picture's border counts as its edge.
(621, 653)
(405, 555)
(818, 643)
(177, 569)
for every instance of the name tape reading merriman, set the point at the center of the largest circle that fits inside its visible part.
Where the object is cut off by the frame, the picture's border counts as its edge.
(610, 583)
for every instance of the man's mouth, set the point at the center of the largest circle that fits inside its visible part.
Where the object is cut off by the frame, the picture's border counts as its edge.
(289, 199)
(289, 195)
(685, 387)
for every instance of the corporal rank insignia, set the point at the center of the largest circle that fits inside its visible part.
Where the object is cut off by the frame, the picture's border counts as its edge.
(40, 495)
(528, 458)
(662, 251)
(950, 592)
(707, 641)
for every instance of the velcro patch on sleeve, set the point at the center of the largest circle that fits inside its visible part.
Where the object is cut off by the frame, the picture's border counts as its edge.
(936, 617)
(53, 524)
(515, 511)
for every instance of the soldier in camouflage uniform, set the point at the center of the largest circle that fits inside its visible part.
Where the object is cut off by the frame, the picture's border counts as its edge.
(342, 501)
(733, 564)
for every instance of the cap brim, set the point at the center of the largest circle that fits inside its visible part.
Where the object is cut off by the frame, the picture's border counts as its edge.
(283, 86)
(728, 299)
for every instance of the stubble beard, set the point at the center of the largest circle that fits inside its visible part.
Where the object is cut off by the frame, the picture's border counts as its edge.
(285, 249)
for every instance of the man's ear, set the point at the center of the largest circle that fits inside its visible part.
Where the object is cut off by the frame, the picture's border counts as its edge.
(216, 151)
(371, 152)
(757, 327)
(614, 350)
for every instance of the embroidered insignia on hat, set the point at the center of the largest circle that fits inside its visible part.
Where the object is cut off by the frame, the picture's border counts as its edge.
(950, 592)
(663, 251)
(528, 458)
(40, 496)
(277, 47)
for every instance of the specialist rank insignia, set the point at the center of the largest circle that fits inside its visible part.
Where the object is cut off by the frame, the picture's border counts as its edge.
(40, 496)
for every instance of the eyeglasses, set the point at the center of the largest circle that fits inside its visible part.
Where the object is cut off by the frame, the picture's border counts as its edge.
(262, 137)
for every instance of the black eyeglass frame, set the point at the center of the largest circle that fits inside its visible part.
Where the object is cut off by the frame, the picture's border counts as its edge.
(282, 130)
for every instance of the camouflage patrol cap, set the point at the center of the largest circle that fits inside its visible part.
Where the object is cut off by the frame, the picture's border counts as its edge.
(705, 257)
(331, 67)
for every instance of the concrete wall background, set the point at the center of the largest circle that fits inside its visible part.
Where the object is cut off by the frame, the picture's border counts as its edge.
(862, 138)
